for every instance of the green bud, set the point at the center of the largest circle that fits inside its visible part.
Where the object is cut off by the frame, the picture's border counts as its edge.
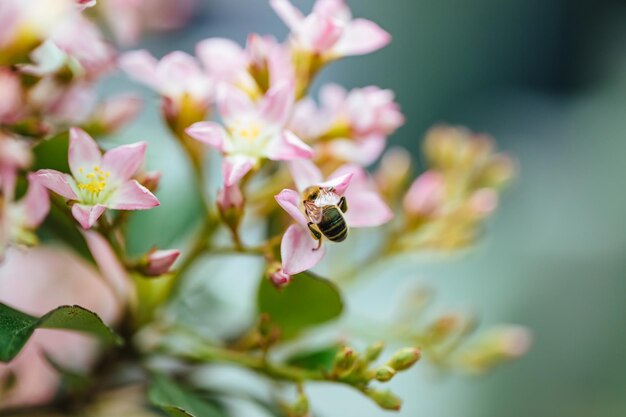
(301, 407)
(385, 399)
(345, 359)
(384, 373)
(404, 358)
(374, 350)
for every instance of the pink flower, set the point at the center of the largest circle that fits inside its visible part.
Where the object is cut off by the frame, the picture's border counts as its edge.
(263, 63)
(99, 182)
(159, 262)
(177, 77)
(330, 30)
(37, 281)
(426, 195)
(365, 209)
(254, 131)
(357, 123)
(18, 220)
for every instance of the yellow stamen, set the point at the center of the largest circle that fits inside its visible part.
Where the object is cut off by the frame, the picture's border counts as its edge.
(96, 181)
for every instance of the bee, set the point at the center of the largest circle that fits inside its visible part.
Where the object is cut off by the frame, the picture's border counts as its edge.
(324, 209)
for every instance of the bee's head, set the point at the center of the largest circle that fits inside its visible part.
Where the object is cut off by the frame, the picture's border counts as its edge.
(311, 193)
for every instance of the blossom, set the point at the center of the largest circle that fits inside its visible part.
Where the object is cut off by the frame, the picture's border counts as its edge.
(263, 62)
(299, 250)
(177, 77)
(99, 181)
(330, 31)
(354, 125)
(253, 131)
(19, 219)
(11, 105)
(112, 114)
(24, 24)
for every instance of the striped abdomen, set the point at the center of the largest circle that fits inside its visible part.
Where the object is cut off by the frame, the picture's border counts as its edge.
(333, 225)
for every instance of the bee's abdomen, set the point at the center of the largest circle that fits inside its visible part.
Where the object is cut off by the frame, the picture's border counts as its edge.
(333, 225)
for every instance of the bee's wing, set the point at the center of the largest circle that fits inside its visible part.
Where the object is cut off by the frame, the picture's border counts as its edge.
(313, 212)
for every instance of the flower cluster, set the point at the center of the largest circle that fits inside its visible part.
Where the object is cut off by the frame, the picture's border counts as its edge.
(299, 167)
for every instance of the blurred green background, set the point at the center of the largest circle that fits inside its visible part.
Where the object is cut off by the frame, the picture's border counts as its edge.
(547, 78)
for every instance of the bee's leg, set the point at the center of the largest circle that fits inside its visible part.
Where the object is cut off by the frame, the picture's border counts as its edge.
(343, 204)
(316, 235)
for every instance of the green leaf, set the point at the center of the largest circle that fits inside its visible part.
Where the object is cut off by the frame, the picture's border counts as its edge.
(52, 153)
(177, 401)
(17, 327)
(318, 360)
(307, 301)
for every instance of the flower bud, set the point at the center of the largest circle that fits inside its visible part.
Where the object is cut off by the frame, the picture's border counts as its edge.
(384, 373)
(404, 358)
(393, 171)
(150, 180)
(278, 277)
(483, 202)
(345, 359)
(497, 172)
(496, 347)
(426, 195)
(159, 262)
(230, 203)
(385, 399)
(373, 351)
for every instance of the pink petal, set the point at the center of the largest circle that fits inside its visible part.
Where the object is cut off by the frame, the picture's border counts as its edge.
(234, 168)
(178, 71)
(288, 147)
(141, 66)
(86, 215)
(337, 9)
(288, 13)
(276, 106)
(332, 97)
(160, 261)
(83, 151)
(56, 181)
(132, 196)
(289, 200)
(108, 263)
(361, 36)
(233, 103)
(321, 33)
(426, 194)
(305, 173)
(36, 203)
(210, 133)
(366, 209)
(363, 152)
(297, 250)
(222, 58)
(122, 162)
(340, 184)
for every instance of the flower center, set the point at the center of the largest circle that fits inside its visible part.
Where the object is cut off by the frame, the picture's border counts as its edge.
(249, 131)
(95, 181)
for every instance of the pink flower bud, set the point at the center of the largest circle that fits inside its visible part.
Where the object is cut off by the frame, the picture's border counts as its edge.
(426, 194)
(150, 180)
(279, 278)
(483, 202)
(160, 261)
(230, 198)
